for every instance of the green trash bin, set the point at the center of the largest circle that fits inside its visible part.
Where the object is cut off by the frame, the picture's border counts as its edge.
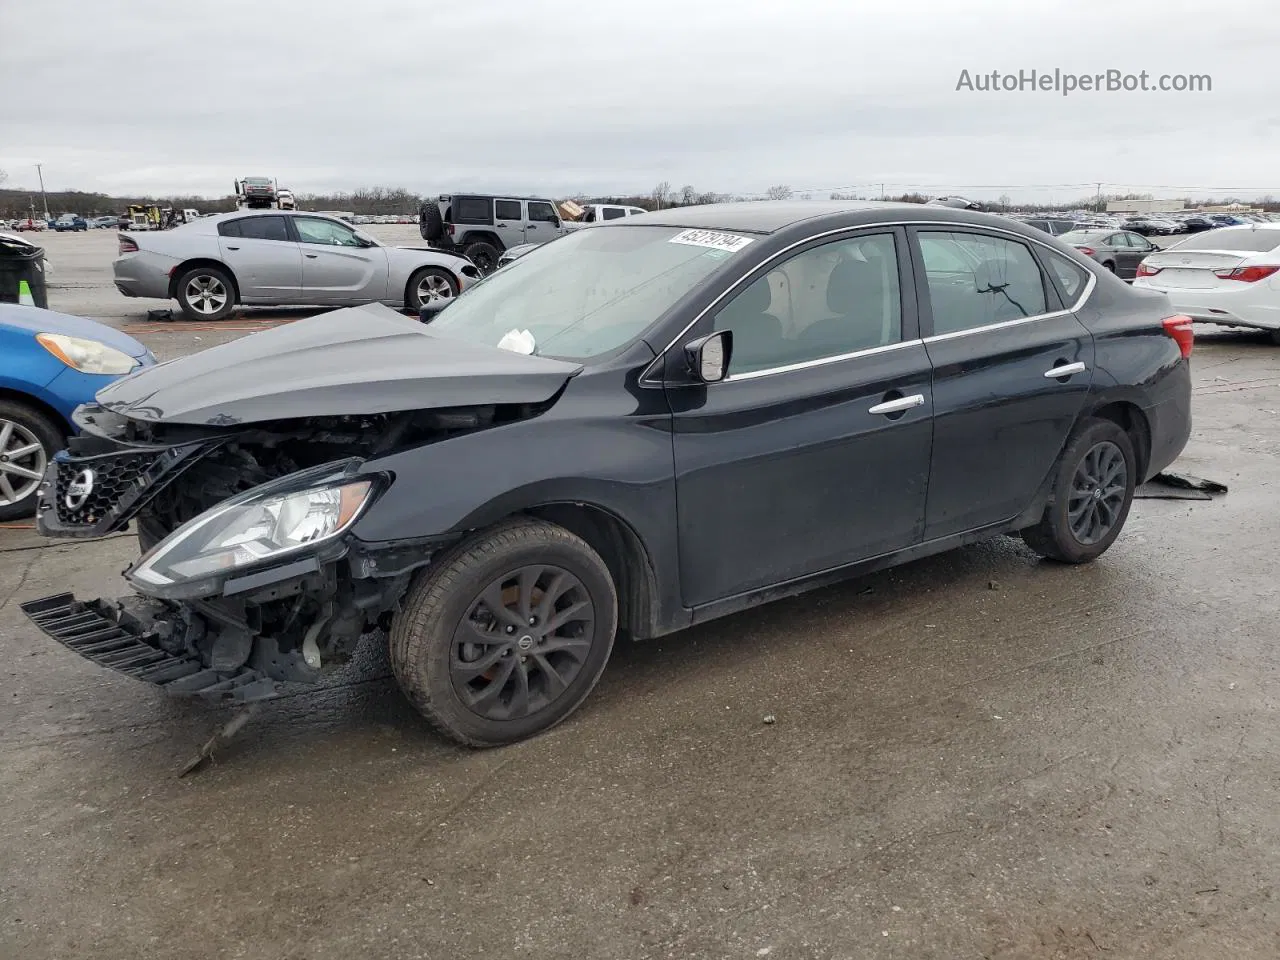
(22, 263)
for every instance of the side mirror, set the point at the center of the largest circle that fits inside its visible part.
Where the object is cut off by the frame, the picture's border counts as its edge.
(428, 311)
(708, 356)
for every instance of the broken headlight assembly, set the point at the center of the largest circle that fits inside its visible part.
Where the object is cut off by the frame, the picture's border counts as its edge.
(285, 526)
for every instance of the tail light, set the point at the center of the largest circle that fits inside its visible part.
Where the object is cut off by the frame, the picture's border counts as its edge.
(449, 229)
(1179, 327)
(1148, 271)
(1246, 274)
(127, 245)
(1087, 251)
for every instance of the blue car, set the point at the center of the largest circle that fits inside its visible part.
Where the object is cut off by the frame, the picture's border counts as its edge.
(50, 363)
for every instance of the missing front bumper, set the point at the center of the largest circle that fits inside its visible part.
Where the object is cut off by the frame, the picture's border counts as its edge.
(127, 637)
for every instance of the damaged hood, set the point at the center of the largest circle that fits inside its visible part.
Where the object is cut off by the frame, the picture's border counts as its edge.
(358, 360)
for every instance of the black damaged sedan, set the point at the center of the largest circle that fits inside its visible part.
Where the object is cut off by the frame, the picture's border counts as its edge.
(641, 426)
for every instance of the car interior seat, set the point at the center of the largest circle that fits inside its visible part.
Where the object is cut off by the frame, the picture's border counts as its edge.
(757, 334)
(855, 294)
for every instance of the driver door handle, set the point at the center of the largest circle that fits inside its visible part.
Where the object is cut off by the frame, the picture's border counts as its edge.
(311, 256)
(1066, 370)
(229, 247)
(899, 405)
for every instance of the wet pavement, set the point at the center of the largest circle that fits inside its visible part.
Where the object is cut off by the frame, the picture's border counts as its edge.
(977, 755)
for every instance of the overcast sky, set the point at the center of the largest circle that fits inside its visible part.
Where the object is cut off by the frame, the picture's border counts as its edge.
(569, 96)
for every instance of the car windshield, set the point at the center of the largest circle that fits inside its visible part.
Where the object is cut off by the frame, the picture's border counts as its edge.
(589, 292)
(1246, 239)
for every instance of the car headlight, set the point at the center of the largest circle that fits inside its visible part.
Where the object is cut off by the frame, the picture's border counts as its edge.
(87, 356)
(299, 512)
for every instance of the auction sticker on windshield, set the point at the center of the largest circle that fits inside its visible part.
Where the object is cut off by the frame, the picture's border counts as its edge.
(710, 238)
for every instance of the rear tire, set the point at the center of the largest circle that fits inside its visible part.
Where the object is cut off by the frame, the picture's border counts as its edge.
(21, 428)
(486, 678)
(205, 293)
(1092, 492)
(483, 255)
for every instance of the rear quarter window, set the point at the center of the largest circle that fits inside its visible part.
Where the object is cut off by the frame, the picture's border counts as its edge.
(1068, 275)
(472, 210)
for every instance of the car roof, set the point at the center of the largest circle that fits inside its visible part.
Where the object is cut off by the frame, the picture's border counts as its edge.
(209, 223)
(770, 216)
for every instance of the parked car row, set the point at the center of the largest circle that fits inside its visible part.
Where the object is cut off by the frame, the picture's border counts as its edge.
(66, 222)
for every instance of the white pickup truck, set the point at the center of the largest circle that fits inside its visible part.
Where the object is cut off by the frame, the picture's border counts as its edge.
(596, 212)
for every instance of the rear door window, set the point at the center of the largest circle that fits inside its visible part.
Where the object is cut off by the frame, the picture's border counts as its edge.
(976, 280)
(506, 210)
(256, 228)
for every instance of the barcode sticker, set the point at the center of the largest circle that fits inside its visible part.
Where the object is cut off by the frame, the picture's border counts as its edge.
(710, 238)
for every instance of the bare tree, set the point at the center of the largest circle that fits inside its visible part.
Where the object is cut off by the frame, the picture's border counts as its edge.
(1004, 201)
(3, 176)
(688, 195)
(662, 194)
(779, 192)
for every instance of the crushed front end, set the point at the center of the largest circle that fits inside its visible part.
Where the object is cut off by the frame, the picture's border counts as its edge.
(249, 575)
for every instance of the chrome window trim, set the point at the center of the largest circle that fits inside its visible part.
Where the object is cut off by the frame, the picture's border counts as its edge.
(648, 375)
(821, 361)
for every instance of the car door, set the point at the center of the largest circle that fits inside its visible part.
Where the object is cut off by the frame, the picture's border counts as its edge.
(338, 266)
(264, 257)
(508, 222)
(543, 223)
(1139, 249)
(814, 452)
(1012, 370)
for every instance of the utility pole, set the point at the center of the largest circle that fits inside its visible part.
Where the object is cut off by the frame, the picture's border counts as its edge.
(43, 199)
(1098, 201)
(882, 191)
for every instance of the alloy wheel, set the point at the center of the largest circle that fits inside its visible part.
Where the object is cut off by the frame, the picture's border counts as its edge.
(434, 288)
(523, 641)
(1097, 493)
(23, 460)
(206, 294)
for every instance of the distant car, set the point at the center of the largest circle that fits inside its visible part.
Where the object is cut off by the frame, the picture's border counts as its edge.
(52, 363)
(1227, 276)
(281, 258)
(70, 222)
(482, 226)
(600, 212)
(1054, 226)
(1150, 226)
(104, 223)
(1228, 220)
(1117, 250)
(1198, 224)
(31, 224)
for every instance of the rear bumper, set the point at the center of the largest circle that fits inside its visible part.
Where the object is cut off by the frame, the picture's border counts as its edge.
(1244, 307)
(1170, 421)
(147, 640)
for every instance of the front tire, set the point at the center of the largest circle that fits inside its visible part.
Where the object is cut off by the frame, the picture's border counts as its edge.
(505, 635)
(433, 285)
(28, 441)
(205, 293)
(1092, 493)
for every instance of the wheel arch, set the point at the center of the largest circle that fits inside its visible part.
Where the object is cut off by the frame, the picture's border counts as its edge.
(194, 262)
(40, 406)
(408, 283)
(1128, 416)
(481, 236)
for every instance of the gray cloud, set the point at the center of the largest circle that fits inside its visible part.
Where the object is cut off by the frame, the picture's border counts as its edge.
(564, 96)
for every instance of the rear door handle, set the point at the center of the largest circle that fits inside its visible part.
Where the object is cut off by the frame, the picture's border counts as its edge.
(531, 227)
(899, 405)
(499, 224)
(311, 256)
(229, 247)
(1066, 370)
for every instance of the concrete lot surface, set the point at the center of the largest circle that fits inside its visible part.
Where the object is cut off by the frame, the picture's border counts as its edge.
(979, 755)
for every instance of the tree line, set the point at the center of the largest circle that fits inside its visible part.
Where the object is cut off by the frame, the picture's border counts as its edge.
(381, 201)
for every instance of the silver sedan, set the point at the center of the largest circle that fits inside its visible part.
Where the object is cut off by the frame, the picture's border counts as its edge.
(277, 258)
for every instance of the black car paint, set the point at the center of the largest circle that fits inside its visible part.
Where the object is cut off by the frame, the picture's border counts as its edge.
(362, 360)
(711, 495)
(729, 494)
